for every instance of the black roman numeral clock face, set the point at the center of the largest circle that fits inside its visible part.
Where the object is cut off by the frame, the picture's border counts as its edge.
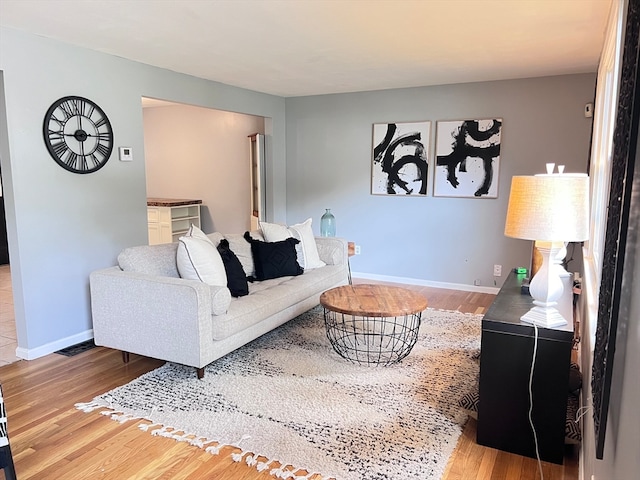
(78, 134)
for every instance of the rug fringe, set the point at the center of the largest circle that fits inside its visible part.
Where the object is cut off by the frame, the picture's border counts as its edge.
(214, 449)
(290, 473)
(145, 427)
(167, 431)
(117, 415)
(199, 441)
(88, 406)
(262, 466)
(119, 418)
(282, 471)
(237, 457)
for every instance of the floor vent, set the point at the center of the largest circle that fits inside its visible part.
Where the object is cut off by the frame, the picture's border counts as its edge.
(77, 348)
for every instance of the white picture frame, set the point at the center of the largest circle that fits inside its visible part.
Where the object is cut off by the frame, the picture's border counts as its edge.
(400, 158)
(467, 158)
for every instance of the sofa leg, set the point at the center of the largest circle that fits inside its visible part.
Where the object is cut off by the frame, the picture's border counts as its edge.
(200, 372)
(125, 357)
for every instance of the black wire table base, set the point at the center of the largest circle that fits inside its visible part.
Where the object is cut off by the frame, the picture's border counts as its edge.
(372, 340)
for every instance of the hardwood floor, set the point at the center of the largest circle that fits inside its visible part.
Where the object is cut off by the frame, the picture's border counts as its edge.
(8, 342)
(51, 440)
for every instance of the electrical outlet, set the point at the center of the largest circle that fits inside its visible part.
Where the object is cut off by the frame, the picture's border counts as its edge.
(497, 270)
(357, 249)
(477, 281)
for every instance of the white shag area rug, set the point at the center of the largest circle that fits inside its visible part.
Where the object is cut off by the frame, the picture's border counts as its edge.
(289, 403)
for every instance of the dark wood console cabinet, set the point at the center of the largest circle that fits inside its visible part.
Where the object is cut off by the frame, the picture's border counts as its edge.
(505, 364)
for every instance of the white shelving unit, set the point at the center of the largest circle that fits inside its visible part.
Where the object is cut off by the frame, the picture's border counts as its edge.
(168, 223)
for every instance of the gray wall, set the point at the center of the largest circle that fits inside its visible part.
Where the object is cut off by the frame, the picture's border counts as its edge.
(62, 225)
(434, 239)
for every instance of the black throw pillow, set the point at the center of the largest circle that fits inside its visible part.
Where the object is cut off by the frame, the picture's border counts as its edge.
(236, 278)
(274, 259)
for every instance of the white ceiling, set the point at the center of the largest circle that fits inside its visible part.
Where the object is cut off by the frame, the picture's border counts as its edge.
(309, 47)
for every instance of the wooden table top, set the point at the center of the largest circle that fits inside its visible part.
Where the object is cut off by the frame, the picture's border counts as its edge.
(373, 300)
(171, 202)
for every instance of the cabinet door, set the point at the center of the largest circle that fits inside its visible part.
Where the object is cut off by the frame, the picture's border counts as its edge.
(503, 410)
(159, 225)
(154, 233)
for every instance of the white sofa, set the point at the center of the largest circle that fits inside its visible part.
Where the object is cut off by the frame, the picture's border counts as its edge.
(143, 306)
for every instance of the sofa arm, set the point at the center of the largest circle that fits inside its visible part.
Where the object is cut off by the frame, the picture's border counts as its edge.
(159, 317)
(332, 250)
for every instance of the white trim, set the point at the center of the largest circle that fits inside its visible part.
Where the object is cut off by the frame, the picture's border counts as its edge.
(46, 349)
(426, 283)
(608, 80)
(607, 93)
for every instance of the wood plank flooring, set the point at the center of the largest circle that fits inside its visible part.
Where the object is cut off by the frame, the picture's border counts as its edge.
(51, 440)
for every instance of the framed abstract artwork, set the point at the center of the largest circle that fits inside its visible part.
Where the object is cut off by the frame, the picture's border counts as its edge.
(400, 158)
(467, 158)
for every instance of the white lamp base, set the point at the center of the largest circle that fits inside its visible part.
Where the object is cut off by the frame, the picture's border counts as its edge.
(547, 317)
(546, 288)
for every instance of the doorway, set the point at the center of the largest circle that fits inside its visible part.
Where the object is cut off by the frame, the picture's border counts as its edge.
(4, 241)
(8, 336)
(203, 154)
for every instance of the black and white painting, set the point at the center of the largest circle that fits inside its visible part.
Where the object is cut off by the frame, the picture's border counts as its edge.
(467, 158)
(400, 162)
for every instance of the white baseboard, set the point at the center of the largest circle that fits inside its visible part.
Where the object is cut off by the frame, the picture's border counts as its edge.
(46, 349)
(426, 283)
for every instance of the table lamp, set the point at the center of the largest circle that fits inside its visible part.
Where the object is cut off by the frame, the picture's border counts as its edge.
(550, 209)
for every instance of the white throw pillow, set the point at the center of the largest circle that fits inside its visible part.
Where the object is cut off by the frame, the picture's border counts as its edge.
(198, 259)
(274, 232)
(304, 233)
(214, 237)
(195, 232)
(307, 250)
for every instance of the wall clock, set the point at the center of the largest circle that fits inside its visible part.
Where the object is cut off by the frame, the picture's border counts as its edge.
(78, 134)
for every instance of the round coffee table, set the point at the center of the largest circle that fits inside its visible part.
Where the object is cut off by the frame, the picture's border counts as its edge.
(372, 324)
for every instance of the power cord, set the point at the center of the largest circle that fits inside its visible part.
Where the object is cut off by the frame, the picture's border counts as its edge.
(533, 428)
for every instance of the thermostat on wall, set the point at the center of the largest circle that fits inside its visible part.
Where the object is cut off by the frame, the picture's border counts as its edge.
(126, 154)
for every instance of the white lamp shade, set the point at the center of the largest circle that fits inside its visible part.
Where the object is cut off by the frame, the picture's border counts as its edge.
(549, 208)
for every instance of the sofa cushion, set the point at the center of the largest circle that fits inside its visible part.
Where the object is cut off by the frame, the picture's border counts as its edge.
(215, 238)
(220, 300)
(274, 259)
(273, 296)
(198, 259)
(157, 260)
(236, 278)
(242, 249)
(306, 250)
